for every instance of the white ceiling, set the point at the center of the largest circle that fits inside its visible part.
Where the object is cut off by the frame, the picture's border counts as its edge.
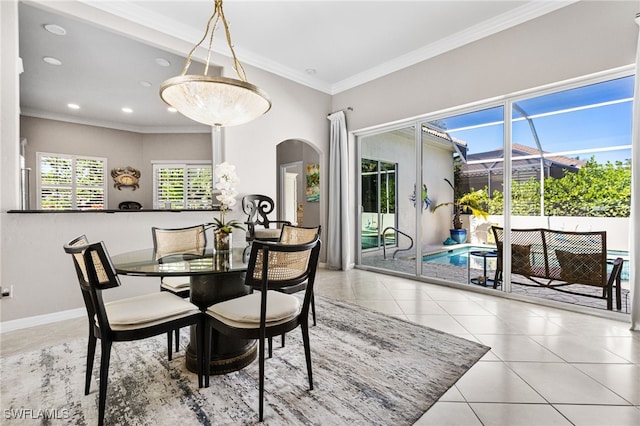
(344, 43)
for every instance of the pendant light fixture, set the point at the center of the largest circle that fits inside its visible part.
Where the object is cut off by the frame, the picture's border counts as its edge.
(216, 101)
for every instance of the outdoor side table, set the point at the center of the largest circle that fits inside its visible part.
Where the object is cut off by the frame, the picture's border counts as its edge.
(482, 280)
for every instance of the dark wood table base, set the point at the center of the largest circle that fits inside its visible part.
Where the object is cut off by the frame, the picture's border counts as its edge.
(227, 353)
(227, 362)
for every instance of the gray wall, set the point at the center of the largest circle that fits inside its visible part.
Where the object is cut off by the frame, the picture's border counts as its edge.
(121, 148)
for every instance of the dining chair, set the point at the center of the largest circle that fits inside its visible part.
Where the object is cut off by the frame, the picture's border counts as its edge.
(268, 313)
(257, 208)
(168, 242)
(129, 319)
(296, 235)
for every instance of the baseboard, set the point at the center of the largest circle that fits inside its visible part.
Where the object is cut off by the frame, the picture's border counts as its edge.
(37, 320)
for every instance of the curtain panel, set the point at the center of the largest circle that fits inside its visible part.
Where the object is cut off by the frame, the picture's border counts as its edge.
(338, 220)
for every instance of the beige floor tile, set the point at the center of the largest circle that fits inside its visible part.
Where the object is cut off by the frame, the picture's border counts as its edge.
(449, 414)
(445, 323)
(537, 326)
(624, 346)
(623, 379)
(517, 348)
(421, 307)
(408, 294)
(452, 395)
(495, 382)
(561, 383)
(467, 307)
(518, 415)
(485, 324)
(578, 349)
(594, 415)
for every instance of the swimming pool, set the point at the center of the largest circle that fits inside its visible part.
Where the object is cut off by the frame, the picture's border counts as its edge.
(459, 256)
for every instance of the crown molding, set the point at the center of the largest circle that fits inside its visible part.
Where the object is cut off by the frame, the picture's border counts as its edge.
(114, 125)
(482, 30)
(125, 9)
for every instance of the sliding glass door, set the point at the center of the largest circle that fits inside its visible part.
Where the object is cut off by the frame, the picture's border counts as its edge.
(387, 216)
(462, 167)
(571, 171)
(378, 203)
(432, 193)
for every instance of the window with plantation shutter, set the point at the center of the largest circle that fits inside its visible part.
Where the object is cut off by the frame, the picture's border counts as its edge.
(71, 182)
(182, 186)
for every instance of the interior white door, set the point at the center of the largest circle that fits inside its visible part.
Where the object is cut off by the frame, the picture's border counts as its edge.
(291, 197)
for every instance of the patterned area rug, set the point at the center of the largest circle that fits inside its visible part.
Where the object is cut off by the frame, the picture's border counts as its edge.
(368, 368)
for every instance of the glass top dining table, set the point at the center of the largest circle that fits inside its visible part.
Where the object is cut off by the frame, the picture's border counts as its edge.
(145, 263)
(214, 277)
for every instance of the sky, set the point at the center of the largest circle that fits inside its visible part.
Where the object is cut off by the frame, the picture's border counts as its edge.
(586, 118)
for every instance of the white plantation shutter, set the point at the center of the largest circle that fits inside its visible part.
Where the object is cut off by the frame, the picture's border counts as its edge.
(168, 184)
(198, 194)
(71, 182)
(182, 186)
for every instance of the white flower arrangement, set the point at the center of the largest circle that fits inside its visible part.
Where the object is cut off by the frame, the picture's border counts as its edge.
(225, 174)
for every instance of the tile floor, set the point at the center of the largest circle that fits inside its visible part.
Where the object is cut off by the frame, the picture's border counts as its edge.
(546, 367)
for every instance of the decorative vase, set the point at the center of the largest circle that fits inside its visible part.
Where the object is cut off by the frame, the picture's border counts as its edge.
(222, 261)
(458, 235)
(222, 241)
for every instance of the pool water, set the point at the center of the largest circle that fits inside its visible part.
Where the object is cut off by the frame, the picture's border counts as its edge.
(456, 256)
(460, 256)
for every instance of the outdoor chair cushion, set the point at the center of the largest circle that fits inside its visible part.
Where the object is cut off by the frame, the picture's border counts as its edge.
(580, 268)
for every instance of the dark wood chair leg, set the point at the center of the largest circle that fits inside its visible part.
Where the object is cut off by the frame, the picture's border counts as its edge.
(206, 353)
(199, 350)
(177, 340)
(261, 378)
(270, 345)
(313, 309)
(91, 352)
(104, 377)
(307, 352)
(170, 345)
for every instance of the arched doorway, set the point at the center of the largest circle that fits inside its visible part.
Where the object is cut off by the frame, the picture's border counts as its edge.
(298, 165)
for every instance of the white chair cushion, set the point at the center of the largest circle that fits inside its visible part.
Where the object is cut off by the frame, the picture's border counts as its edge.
(245, 311)
(267, 233)
(175, 283)
(147, 310)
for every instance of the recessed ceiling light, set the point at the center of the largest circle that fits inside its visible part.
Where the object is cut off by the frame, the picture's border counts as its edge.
(127, 110)
(55, 29)
(73, 106)
(172, 109)
(52, 61)
(163, 62)
(145, 83)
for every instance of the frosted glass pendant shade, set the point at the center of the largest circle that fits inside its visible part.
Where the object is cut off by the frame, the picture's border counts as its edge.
(216, 101)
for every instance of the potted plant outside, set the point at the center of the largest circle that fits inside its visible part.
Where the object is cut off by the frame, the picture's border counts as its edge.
(471, 201)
